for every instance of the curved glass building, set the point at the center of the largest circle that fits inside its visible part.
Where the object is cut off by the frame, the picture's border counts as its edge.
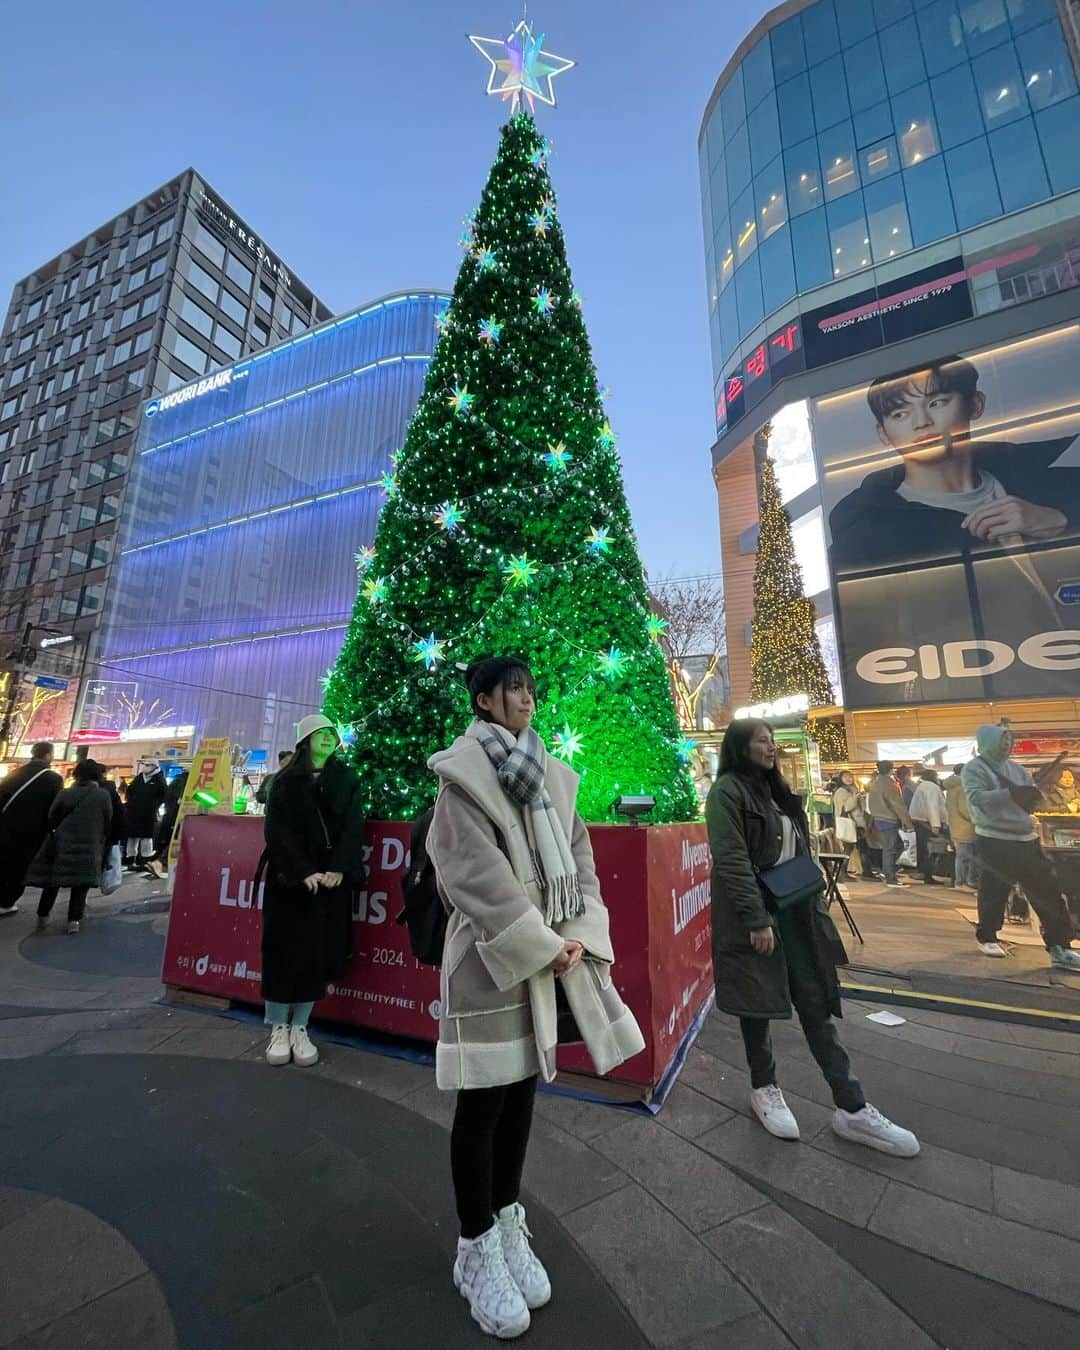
(252, 491)
(891, 206)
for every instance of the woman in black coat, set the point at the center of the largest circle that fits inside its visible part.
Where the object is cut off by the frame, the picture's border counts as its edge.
(145, 794)
(314, 861)
(25, 798)
(767, 959)
(72, 853)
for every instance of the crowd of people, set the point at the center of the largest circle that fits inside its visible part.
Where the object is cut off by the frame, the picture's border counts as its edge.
(61, 837)
(525, 951)
(974, 831)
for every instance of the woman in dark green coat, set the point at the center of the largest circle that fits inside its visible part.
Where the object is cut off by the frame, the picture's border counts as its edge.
(766, 961)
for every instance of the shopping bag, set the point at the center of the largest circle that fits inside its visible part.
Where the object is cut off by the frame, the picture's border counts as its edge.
(846, 831)
(112, 875)
(907, 858)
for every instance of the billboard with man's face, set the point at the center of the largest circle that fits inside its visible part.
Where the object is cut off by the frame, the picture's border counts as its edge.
(952, 506)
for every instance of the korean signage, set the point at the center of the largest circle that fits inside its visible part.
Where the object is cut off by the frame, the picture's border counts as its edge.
(952, 498)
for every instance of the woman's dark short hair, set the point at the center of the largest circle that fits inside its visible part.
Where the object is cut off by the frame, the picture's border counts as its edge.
(884, 766)
(488, 673)
(88, 771)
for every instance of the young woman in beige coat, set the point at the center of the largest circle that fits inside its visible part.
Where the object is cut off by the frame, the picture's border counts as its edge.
(527, 962)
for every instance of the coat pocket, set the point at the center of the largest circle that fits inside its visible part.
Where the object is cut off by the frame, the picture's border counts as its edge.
(469, 990)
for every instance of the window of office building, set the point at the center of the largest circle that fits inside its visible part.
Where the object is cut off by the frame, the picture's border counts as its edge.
(232, 307)
(143, 244)
(226, 342)
(266, 299)
(195, 315)
(191, 355)
(203, 281)
(208, 245)
(164, 230)
(128, 315)
(239, 272)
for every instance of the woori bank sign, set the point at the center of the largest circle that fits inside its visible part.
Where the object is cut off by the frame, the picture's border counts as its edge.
(221, 379)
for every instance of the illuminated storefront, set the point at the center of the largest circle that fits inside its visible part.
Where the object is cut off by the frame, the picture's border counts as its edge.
(253, 490)
(894, 296)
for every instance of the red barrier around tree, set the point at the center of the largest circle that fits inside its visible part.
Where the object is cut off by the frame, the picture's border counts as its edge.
(655, 881)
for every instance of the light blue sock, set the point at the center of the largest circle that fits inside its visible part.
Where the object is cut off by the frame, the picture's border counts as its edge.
(277, 1014)
(300, 1014)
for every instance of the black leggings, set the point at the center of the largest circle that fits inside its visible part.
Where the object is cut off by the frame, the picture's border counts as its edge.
(487, 1151)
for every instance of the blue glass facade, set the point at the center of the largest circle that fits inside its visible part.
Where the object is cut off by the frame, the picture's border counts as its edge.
(252, 491)
(855, 131)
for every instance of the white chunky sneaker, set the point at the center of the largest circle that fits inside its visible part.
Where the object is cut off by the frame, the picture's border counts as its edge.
(991, 948)
(73, 926)
(773, 1112)
(1064, 958)
(279, 1051)
(871, 1128)
(303, 1052)
(521, 1261)
(483, 1279)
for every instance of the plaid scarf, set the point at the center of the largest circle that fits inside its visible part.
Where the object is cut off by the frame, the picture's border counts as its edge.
(521, 763)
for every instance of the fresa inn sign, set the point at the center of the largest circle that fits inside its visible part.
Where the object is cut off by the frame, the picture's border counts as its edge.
(217, 215)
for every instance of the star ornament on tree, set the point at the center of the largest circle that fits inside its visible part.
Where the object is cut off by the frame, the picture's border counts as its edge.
(520, 570)
(567, 743)
(449, 516)
(544, 302)
(486, 259)
(606, 439)
(429, 650)
(364, 558)
(519, 65)
(490, 331)
(374, 590)
(656, 627)
(539, 223)
(461, 400)
(598, 541)
(611, 663)
(557, 457)
(388, 484)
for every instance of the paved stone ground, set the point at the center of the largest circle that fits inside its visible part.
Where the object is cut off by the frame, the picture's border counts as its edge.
(161, 1187)
(917, 939)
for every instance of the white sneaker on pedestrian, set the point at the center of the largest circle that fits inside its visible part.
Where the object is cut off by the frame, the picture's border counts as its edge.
(304, 1053)
(1064, 958)
(279, 1051)
(896, 886)
(483, 1279)
(524, 1265)
(773, 1112)
(991, 949)
(9, 909)
(73, 927)
(871, 1128)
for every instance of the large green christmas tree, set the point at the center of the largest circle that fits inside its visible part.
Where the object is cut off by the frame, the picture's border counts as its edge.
(506, 530)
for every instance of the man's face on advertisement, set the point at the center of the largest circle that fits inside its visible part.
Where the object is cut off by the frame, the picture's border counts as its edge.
(929, 423)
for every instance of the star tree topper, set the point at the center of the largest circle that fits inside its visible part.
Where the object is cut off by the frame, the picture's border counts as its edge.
(524, 66)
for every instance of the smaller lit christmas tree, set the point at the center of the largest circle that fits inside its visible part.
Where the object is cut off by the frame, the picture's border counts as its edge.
(785, 656)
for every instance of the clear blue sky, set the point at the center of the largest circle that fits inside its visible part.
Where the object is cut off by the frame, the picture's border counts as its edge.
(355, 135)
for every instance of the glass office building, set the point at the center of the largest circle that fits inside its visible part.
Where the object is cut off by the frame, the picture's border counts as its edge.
(175, 284)
(253, 489)
(890, 185)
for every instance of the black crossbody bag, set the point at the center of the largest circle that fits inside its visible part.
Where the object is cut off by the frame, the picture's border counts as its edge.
(795, 882)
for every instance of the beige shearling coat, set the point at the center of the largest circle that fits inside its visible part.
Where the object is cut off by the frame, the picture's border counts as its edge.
(498, 1016)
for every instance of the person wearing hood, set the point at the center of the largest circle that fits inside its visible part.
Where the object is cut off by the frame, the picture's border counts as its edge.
(526, 963)
(25, 798)
(314, 861)
(145, 794)
(1001, 797)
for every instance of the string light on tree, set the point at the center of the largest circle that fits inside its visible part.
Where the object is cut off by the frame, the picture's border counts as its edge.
(526, 467)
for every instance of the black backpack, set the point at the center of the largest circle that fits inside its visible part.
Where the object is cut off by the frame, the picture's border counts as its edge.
(424, 912)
